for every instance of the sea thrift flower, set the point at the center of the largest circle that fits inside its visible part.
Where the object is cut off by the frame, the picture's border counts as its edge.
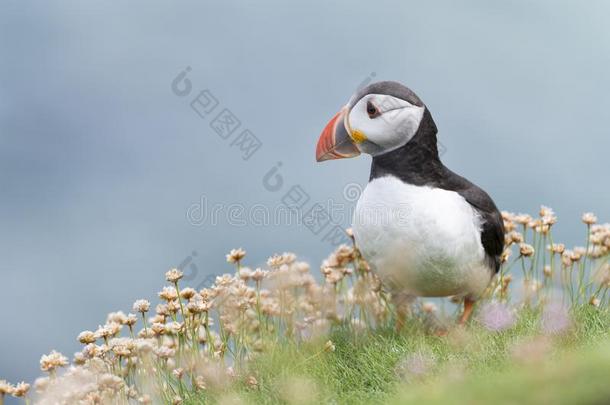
(50, 362)
(158, 328)
(558, 248)
(197, 305)
(596, 252)
(251, 382)
(21, 389)
(542, 228)
(103, 332)
(200, 382)
(275, 261)
(589, 218)
(555, 318)
(576, 253)
(165, 352)
(87, 337)
(116, 317)
(416, 365)
(79, 359)
(523, 219)
(526, 250)
(168, 293)
(547, 219)
(174, 327)
(514, 237)
(235, 255)
(580, 250)
(188, 293)
(288, 258)
(131, 320)
(429, 307)
(547, 271)
(178, 373)
(258, 275)
(496, 316)
(141, 306)
(173, 275)
(173, 306)
(506, 280)
(145, 399)
(329, 346)
(5, 388)
(245, 273)
(91, 350)
(114, 328)
(505, 255)
(41, 384)
(546, 211)
(508, 218)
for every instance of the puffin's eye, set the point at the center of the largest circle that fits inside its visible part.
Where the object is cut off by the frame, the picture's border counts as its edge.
(371, 110)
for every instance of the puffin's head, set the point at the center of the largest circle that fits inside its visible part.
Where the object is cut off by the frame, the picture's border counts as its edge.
(379, 118)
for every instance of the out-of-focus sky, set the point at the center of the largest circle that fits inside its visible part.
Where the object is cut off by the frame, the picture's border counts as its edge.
(100, 160)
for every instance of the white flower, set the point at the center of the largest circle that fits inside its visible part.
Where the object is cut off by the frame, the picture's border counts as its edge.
(235, 255)
(87, 337)
(173, 275)
(5, 388)
(589, 218)
(53, 360)
(141, 306)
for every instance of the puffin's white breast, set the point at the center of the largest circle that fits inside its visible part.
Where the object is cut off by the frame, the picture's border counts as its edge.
(425, 241)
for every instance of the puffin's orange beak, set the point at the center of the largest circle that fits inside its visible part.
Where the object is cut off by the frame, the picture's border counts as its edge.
(335, 142)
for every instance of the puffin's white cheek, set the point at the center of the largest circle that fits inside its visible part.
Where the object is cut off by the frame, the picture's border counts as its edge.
(397, 127)
(381, 130)
(406, 120)
(386, 136)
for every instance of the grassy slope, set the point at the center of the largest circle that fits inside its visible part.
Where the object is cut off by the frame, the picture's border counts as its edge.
(470, 365)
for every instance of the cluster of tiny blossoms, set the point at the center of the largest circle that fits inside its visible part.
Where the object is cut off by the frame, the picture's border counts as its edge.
(18, 391)
(195, 343)
(550, 270)
(198, 342)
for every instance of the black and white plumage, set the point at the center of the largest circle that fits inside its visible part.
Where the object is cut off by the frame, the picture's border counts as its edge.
(426, 230)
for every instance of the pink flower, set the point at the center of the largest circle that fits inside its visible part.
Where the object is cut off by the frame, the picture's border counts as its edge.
(416, 365)
(496, 316)
(555, 319)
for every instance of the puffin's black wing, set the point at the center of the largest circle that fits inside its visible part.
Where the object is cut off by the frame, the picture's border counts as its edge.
(492, 228)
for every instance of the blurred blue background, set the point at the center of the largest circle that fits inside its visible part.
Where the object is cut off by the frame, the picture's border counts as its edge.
(100, 160)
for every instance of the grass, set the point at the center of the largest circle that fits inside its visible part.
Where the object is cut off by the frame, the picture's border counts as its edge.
(469, 365)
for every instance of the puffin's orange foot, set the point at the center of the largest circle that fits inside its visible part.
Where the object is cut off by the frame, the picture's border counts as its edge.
(468, 307)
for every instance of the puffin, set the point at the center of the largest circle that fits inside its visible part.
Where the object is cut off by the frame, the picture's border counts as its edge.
(424, 230)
